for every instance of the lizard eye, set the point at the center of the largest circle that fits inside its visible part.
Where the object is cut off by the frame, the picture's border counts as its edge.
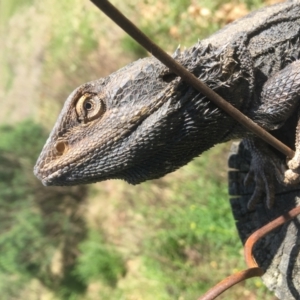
(89, 107)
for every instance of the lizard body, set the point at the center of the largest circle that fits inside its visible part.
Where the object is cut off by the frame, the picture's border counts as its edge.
(143, 121)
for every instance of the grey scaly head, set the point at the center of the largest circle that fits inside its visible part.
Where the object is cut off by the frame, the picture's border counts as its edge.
(139, 123)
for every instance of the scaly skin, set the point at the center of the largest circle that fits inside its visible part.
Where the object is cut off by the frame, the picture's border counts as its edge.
(143, 122)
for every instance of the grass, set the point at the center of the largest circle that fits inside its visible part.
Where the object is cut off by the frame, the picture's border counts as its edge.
(171, 238)
(8, 9)
(99, 261)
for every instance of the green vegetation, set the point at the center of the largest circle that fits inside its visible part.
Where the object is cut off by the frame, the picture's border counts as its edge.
(35, 223)
(8, 9)
(171, 238)
(99, 261)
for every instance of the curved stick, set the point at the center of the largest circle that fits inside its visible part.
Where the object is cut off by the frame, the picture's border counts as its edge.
(261, 232)
(254, 270)
(230, 281)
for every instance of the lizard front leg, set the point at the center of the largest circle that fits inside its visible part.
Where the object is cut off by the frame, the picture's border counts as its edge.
(279, 100)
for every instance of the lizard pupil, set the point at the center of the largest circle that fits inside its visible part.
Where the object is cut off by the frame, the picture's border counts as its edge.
(88, 105)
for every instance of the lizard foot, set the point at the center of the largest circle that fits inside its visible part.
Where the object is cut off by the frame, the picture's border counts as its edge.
(265, 170)
(263, 176)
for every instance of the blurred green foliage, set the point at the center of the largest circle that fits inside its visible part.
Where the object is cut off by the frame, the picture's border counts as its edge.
(99, 260)
(182, 21)
(72, 34)
(32, 225)
(9, 8)
(22, 237)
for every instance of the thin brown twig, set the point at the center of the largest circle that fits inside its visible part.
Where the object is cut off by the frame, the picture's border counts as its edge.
(188, 77)
(254, 270)
(230, 281)
(261, 232)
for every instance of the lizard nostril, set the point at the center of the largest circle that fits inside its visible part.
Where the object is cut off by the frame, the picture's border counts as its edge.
(61, 147)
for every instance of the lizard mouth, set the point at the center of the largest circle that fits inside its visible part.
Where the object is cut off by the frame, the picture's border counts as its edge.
(66, 177)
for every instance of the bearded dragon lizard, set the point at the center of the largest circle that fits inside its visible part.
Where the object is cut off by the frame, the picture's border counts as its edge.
(143, 121)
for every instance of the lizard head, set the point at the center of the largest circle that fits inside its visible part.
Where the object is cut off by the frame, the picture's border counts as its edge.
(139, 123)
(107, 128)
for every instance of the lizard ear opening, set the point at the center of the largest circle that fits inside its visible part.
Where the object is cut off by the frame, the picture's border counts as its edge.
(89, 107)
(61, 147)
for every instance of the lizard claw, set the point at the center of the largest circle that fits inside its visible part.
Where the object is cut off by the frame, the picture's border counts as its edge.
(249, 178)
(265, 170)
(264, 184)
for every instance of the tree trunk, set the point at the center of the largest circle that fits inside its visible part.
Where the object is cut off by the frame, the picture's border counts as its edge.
(279, 252)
